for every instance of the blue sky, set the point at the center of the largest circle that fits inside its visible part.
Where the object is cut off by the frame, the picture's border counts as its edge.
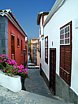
(26, 12)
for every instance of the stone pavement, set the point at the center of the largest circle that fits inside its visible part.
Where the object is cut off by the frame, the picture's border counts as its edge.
(36, 84)
(24, 97)
(35, 88)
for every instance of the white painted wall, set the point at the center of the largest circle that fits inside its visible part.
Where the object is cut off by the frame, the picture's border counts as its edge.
(41, 26)
(64, 15)
(11, 83)
(74, 78)
(44, 65)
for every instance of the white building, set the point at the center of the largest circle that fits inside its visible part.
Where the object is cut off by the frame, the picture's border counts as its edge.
(59, 48)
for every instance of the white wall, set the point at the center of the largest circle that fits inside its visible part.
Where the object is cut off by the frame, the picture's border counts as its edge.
(41, 26)
(67, 13)
(74, 78)
(44, 65)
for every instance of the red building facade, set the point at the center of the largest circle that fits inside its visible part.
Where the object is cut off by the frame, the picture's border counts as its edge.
(15, 38)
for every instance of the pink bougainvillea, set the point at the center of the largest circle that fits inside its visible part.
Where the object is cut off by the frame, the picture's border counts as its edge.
(10, 67)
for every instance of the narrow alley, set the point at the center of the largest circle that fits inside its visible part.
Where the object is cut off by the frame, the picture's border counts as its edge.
(38, 52)
(36, 84)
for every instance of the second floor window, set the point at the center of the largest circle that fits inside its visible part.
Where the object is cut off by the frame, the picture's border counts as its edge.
(65, 35)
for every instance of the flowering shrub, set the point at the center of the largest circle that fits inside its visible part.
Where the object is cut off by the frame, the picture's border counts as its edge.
(10, 67)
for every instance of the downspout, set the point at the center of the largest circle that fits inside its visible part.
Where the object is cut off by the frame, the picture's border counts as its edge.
(54, 9)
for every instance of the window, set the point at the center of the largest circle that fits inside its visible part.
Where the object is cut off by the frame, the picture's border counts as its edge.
(65, 35)
(46, 49)
(18, 42)
(21, 46)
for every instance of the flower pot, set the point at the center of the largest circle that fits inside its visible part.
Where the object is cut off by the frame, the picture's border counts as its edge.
(23, 83)
(12, 83)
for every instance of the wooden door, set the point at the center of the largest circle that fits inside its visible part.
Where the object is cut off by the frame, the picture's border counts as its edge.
(65, 63)
(12, 47)
(52, 69)
(66, 56)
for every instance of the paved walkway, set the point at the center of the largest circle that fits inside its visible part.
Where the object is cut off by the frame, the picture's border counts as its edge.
(36, 84)
(24, 97)
(35, 87)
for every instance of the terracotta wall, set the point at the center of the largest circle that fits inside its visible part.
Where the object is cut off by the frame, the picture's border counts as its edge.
(12, 30)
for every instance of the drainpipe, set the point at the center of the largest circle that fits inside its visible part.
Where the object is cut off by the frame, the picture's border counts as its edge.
(54, 9)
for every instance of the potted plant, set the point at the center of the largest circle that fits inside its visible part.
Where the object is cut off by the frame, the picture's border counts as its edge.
(23, 72)
(10, 70)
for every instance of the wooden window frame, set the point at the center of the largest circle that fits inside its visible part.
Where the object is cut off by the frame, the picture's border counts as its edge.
(63, 33)
(46, 49)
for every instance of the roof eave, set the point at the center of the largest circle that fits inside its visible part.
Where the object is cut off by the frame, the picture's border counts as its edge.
(11, 17)
(39, 16)
(54, 9)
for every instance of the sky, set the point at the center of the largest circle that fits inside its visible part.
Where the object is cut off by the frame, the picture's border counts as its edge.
(26, 11)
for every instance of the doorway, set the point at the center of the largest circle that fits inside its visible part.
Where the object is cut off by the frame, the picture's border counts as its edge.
(52, 69)
(12, 47)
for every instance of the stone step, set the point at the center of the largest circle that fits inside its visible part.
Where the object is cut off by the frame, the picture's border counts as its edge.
(33, 67)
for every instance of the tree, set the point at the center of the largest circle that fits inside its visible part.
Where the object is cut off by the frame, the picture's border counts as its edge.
(29, 43)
